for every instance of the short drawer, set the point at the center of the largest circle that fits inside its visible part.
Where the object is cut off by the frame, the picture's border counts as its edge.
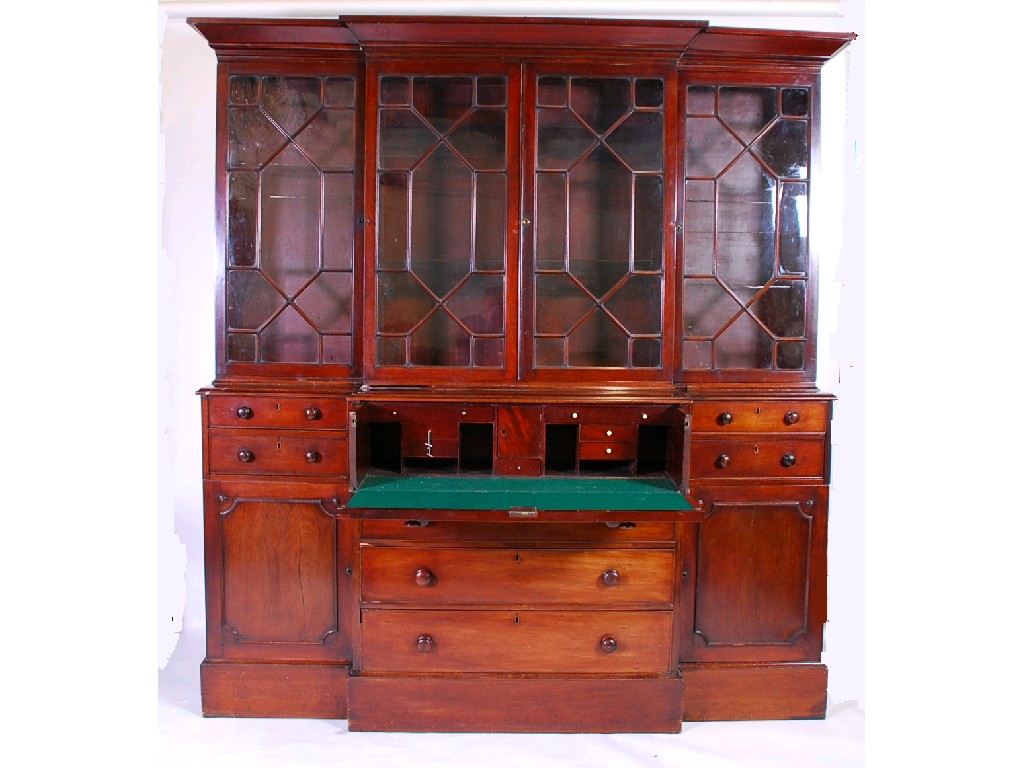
(608, 450)
(617, 433)
(605, 414)
(517, 467)
(238, 452)
(599, 534)
(516, 641)
(523, 576)
(758, 416)
(278, 412)
(761, 458)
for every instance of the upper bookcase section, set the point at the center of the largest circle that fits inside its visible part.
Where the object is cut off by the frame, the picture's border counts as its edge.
(441, 201)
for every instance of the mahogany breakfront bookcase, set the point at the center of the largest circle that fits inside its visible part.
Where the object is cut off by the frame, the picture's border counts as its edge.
(515, 424)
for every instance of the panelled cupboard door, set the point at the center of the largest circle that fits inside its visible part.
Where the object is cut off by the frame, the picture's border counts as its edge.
(758, 561)
(272, 578)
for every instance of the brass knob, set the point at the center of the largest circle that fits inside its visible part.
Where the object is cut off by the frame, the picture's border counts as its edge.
(609, 644)
(244, 412)
(424, 577)
(313, 414)
(246, 457)
(788, 460)
(791, 418)
(312, 457)
(724, 418)
(610, 578)
(723, 461)
(424, 643)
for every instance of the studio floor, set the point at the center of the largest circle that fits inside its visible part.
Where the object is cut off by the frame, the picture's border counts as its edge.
(188, 739)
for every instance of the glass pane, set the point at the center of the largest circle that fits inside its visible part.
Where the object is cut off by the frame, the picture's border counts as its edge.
(646, 353)
(561, 304)
(251, 300)
(291, 101)
(747, 110)
(241, 348)
(699, 227)
(289, 339)
(552, 92)
(637, 304)
(650, 93)
(252, 139)
(491, 212)
(242, 219)
(549, 353)
(340, 92)
(795, 102)
(700, 100)
(393, 224)
(491, 91)
(243, 89)
(638, 141)
(793, 229)
(395, 90)
(561, 139)
(339, 220)
(440, 341)
(329, 140)
(785, 148)
(404, 139)
(442, 221)
(401, 302)
(337, 350)
(480, 140)
(290, 234)
(477, 304)
(781, 308)
(600, 192)
(790, 355)
(442, 100)
(598, 343)
(744, 344)
(601, 102)
(709, 147)
(327, 302)
(648, 237)
(709, 307)
(551, 221)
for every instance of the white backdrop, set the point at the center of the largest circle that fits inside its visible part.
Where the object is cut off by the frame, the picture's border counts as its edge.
(188, 259)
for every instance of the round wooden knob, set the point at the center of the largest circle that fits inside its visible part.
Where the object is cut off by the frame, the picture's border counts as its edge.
(424, 577)
(244, 412)
(312, 457)
(246, 457)
(610, 578)
(788, 460)
(424, 643)
(791, 418)
(608, 644)
(723, 461)
(313, 414)
(724, 418)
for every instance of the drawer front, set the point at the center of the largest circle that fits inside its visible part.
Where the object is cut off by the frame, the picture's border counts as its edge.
(518, 467)
(522, 642)
(610, 433)
(755, 416)
(768, 457)
(244, 411)
(436, 415)
(599, 534)
(621, 451)
(450, 576)
(604, 414)
(272, 453)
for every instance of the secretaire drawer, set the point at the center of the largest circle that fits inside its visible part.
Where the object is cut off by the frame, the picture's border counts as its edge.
(761, 458)
(239, 452)
(516, 641)
(756, 416)
(424, 576)
(278, 412)
(600, 534)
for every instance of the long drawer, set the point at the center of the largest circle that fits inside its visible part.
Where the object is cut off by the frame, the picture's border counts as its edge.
(262, 411)
(466, 576)
(516, 641)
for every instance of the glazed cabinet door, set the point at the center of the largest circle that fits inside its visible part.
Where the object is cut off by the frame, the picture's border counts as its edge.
(598, 183)
(275, 572)
(758, 575)
(749, 152)
(442, 261)
(289, 164)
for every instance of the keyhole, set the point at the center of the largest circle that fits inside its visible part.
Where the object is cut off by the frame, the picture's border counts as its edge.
(517, 618)
(277, 406)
